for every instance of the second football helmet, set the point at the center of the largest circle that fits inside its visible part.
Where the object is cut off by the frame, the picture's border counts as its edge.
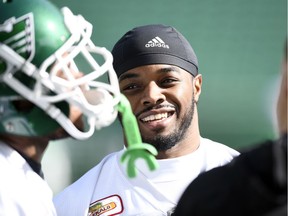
(47, 57)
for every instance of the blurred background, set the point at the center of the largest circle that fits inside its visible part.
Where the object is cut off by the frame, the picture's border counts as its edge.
(239, 45)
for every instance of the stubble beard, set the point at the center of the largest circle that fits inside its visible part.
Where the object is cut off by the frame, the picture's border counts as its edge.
(164, 143)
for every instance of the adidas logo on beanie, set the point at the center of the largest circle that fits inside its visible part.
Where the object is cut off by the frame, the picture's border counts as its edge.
(153, 44)
(156, 42)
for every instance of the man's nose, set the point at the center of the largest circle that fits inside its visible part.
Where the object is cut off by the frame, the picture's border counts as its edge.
(153, 94)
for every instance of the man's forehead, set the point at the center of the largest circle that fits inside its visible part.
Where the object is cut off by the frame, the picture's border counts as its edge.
(148, 69)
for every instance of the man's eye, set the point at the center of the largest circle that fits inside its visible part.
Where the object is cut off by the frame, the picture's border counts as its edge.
(170, 80)
(129, 87)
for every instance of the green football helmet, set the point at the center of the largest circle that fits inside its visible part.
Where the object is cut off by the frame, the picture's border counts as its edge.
(41, 50)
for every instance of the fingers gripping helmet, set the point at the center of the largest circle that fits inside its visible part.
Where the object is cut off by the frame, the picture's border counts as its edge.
(40, 51)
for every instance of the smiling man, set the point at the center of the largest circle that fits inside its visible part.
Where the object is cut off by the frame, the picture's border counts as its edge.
(163, 99)
(158, 73)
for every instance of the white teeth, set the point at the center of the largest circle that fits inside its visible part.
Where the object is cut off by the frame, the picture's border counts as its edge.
(155, 117)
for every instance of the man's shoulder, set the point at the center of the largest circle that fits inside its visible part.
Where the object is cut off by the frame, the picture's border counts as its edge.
(89, 177)
(82, 189)
(217, 147)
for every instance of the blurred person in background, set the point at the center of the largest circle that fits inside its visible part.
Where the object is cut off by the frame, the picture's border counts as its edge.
(254, 183)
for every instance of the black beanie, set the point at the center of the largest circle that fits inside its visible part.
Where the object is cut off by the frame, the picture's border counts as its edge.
(153, 44)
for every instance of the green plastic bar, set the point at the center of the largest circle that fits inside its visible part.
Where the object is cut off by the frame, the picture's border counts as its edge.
(135, 148)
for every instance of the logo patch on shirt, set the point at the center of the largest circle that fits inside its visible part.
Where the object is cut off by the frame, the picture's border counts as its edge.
(111, 205)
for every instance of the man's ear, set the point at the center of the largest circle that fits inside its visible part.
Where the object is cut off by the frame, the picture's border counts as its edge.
(197, 85)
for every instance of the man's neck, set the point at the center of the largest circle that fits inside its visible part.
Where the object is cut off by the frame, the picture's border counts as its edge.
(32, 148)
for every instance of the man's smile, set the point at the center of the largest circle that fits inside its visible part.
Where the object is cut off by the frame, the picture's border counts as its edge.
(156, 117)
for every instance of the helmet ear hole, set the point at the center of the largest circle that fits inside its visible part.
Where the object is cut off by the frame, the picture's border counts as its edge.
(3, 66)
(23, 105)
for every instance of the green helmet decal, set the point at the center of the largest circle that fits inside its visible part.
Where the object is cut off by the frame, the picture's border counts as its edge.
(19, 35)
(33, 28)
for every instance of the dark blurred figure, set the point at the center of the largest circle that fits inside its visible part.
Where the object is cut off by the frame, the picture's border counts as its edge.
(254, 183)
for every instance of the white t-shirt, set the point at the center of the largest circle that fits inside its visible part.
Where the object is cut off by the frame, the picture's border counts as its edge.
(106, 189)
(22, 191)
